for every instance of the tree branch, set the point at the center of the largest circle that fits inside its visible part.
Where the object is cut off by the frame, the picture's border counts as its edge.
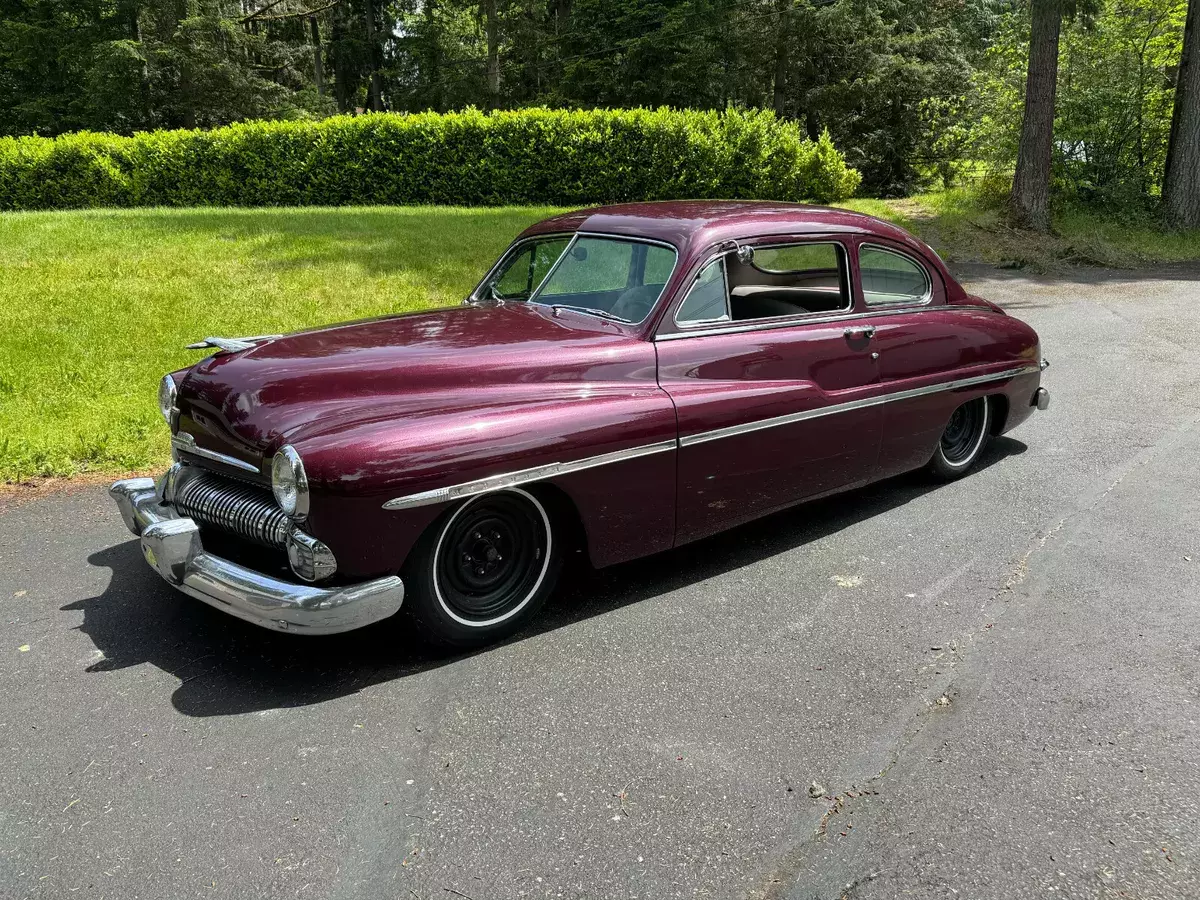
(258, 16)
(258, 12)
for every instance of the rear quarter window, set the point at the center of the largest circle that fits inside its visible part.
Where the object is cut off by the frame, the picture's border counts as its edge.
(891, 278)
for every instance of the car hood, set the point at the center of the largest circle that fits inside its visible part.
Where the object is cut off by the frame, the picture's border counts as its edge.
(300, 385)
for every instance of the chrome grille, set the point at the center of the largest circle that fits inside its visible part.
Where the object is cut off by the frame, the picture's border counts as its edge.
(242, 509)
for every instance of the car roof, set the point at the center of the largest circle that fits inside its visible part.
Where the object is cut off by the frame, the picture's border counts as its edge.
(685, 223)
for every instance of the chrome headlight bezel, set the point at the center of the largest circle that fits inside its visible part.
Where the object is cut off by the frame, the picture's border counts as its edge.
(167, 394)
(289, 483)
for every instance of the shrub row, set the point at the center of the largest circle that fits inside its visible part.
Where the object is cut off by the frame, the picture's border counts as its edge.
(566, 157)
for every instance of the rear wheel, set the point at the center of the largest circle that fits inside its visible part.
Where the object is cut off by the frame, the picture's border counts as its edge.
(483, 569)
(963, 440)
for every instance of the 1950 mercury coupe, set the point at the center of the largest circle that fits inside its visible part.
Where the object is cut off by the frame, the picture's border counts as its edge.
(624, 380)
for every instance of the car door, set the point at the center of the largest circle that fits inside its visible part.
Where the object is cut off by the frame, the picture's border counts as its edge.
(766, 389)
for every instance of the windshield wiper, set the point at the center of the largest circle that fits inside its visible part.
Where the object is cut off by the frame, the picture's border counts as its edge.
(602, 313)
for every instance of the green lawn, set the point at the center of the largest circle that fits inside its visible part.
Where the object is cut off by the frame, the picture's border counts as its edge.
(99, 304)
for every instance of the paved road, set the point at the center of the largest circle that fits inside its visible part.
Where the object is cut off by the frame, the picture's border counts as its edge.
(993, 682)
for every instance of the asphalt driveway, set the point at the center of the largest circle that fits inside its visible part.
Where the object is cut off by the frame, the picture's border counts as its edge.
(993, 685)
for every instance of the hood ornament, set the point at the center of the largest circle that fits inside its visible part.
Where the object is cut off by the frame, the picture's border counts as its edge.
(232, 345)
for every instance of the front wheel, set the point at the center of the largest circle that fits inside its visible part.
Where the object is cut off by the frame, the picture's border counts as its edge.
(483, 569)
(963, 440)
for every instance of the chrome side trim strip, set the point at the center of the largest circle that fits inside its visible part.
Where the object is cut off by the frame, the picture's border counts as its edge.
(524, 476)
(800, 321)
(552, 470)
(186, 443)
(879, 400)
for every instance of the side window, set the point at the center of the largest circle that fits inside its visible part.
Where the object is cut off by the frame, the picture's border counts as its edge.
(708, 299)
(788, 280)
(892, 279)
(520, 275)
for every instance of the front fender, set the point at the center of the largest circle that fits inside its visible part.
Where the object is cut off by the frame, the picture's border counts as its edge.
(626, 505)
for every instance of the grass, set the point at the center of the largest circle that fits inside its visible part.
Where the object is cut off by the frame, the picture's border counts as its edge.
(964, 228)
(99, 304)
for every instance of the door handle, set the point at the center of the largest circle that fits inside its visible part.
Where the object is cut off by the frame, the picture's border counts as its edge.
(867, 332)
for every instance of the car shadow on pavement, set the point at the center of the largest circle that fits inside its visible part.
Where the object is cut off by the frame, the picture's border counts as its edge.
(226, 666)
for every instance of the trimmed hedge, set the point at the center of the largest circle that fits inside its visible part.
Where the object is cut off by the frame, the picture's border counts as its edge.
(544, 156)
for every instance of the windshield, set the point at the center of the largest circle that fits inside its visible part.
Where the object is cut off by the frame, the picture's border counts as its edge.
(611, 277)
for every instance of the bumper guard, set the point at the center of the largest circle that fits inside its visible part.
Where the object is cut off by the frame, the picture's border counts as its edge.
(171, 545)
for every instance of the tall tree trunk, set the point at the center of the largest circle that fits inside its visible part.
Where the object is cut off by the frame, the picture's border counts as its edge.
(1181, 182)
(342, 78)
(1030, 200)
(812, 124)
(375, 91)
(433, 36)
(492, 27)
(783, 44)
(318, 63)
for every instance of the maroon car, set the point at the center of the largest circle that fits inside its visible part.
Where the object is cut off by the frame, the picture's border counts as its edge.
(624, 380)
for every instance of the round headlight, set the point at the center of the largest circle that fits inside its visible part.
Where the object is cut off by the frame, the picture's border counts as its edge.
(289, 483)
(166, 397)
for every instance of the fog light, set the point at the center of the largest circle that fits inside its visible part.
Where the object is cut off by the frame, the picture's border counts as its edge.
(309, 558)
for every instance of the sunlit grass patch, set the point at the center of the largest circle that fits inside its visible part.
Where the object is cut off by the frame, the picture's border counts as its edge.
(99, 304)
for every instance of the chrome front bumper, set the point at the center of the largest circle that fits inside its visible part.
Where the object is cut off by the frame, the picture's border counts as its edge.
(171, 545)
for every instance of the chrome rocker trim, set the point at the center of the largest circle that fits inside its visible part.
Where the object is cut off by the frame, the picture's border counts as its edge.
(171, 545)
(540, 473)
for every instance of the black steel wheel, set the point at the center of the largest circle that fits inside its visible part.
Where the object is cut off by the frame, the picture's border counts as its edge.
(963, 440)
(483, 569)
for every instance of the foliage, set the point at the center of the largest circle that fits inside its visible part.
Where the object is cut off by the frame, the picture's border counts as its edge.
(867, 70)
(909, 92)
(1115, 91)
(895, 92)
(533, 155)
(863, 69)
(136, 64)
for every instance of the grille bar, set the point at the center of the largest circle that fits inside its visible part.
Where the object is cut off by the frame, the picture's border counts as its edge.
(242, 509)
